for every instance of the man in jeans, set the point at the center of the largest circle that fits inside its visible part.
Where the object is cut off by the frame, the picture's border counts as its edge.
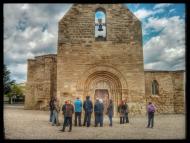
(150, 109)
(69, 110)
(56, 109)
(78, 110)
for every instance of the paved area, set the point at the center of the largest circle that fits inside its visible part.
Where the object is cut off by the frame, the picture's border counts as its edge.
(33, 124)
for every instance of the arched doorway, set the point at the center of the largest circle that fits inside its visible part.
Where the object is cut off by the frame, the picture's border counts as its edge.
(104, 85)
(103, 77)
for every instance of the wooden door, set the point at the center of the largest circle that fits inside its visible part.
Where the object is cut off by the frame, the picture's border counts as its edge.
(104, 95)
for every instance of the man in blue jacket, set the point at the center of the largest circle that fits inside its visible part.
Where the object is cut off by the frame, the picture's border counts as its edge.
(78, 110)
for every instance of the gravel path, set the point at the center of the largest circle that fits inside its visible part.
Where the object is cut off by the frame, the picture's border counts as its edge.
(32, 124)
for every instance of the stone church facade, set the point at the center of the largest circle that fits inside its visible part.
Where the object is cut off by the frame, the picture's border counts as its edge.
(108, 67)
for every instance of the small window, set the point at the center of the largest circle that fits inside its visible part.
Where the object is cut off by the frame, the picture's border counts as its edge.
(155, 87)
(100, 25)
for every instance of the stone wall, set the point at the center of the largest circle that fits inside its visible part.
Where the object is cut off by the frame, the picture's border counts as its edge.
(171, 90)
(120, 56)
(41, 81)
(179, 91)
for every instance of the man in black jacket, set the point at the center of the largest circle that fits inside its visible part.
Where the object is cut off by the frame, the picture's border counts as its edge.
(96, 112)
(101, 112)
(51, 108)
(126, 112)
(88, 107)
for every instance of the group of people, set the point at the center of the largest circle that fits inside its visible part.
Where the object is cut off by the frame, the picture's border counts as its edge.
(68, 110)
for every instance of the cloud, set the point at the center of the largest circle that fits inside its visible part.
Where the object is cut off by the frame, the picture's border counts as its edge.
(30, 30)
(156, 23)
(19, 73)
(171, 10)
(136, 5)
(166, 51)
(25, 7)
(144, 13)
(163, 5)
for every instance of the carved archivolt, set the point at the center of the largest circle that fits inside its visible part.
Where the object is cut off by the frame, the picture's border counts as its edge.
(104, 71)
(102, 77)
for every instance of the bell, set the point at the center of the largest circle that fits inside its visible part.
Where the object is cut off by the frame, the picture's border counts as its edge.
(100, 25)
(100, 28)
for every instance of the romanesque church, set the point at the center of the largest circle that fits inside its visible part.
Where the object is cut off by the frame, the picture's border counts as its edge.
(100, 54)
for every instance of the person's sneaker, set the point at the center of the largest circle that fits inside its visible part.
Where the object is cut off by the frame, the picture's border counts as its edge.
(62, 130)
(69, 131)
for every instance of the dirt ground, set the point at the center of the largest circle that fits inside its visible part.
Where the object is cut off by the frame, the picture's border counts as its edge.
(33, 124)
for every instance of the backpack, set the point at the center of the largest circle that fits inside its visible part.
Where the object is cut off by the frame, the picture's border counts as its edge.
(152, 109)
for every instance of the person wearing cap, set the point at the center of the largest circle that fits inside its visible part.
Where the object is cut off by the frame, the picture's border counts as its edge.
(78, 110)
(69, 110)
(88, 108)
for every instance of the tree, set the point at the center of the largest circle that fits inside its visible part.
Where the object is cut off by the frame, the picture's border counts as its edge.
(14, 92)
(7, 82)
(15, 89)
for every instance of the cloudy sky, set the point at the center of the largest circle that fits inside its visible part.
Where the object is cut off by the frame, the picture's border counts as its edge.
(31, 30)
